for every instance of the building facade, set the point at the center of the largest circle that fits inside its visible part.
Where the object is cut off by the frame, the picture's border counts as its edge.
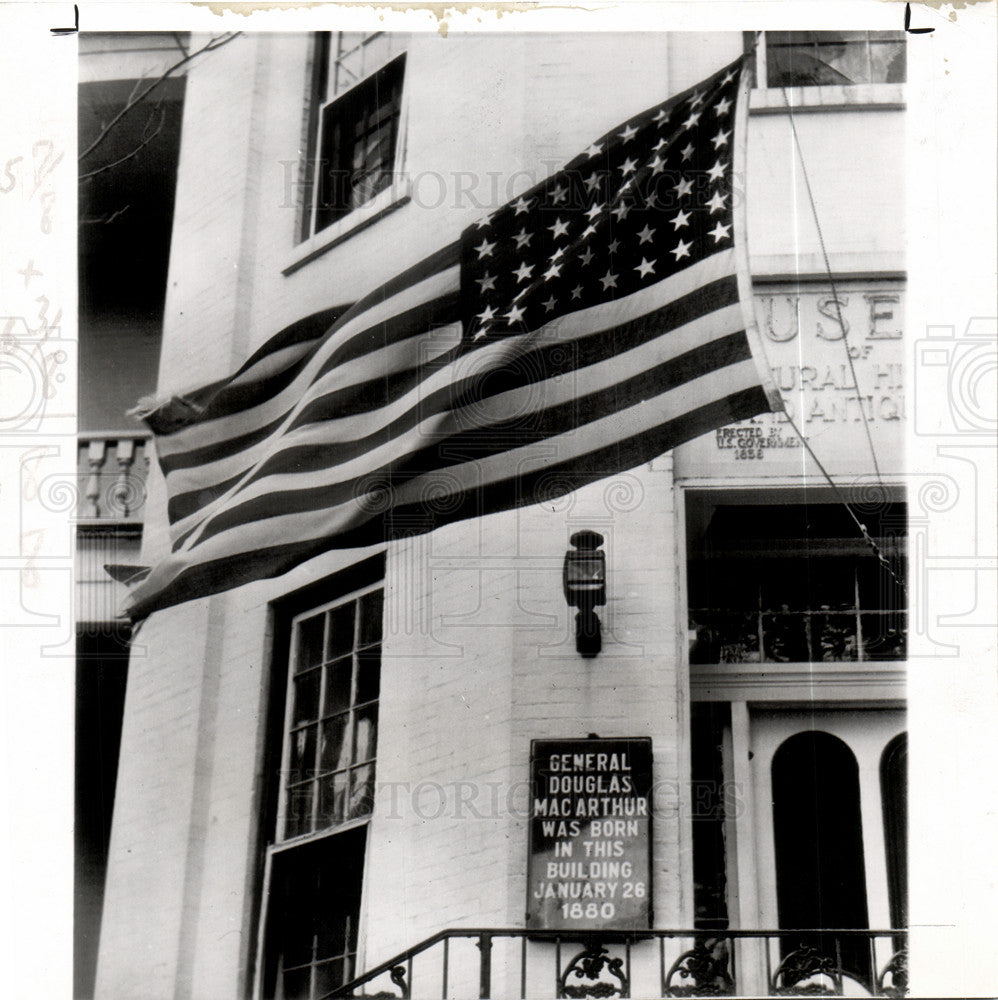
(320, 772)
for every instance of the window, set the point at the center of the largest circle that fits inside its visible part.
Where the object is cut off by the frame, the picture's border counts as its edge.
(794, 583)
(325, 797)
(827, 58)
(354, 122)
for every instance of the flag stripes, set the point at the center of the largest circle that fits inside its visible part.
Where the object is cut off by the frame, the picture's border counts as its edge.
(457, 390)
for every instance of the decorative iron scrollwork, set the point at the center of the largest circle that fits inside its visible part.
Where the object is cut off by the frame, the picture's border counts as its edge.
(701, 972)
(591, 966)
(805, 963)
(897, 970)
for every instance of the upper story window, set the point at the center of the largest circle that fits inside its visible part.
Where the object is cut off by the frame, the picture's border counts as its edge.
(354, 122)
(794, 583)
(831, 58)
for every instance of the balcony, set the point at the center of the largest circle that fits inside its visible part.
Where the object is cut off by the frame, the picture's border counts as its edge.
(516, 963)
(111, 471)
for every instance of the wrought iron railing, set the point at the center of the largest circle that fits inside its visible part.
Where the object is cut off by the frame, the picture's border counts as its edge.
(509, 962)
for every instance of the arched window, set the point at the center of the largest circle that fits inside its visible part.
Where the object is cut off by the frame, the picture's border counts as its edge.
(820, 873)
(894, 797)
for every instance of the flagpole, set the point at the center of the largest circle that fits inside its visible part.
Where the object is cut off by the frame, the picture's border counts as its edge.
(739, 213)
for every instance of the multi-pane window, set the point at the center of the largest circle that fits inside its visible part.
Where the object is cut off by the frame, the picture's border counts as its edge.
(355, 122)
(333, 716)
(796, 583)
(831, 58)
(326, 795)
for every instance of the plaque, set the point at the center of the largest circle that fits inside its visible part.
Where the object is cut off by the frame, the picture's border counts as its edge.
(589, 865)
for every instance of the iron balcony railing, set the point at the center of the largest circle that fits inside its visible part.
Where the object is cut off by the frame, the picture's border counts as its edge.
(515, 963)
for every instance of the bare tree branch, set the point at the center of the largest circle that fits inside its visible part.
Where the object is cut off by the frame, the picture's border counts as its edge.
(210, 46)
(146, 139)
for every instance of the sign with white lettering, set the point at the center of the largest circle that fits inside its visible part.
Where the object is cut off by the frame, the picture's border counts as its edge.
(589, 864)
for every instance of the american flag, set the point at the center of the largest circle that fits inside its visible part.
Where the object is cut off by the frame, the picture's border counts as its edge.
(592, 323)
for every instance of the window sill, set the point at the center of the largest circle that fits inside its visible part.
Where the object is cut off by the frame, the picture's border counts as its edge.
(856, 97)
(359, 219)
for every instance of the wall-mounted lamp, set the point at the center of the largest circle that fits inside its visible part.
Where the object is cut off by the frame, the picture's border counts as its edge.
(584, 580)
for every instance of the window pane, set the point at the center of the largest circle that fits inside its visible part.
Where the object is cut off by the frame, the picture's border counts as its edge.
(371, 606)
(334, 752)
(361, 790)
(834, 637)
(365, 733)
(329, 975)
(368, 674)
(341, 630)
(296, 984)
(338, 676)
(885, 636)
(784, 638)
(302, 761)
(332, 798)
(724, 637)
(298, 810)
(306, 698)
(309, 642)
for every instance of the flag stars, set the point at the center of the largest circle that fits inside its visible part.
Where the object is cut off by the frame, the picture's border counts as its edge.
(657, 165)
(608, 281)
(716, 202)
(480, 333)
(680, 220)
(729, 76)
(660, 116)
(557, 254)
(722, 107)
(485, 248)
(558, 195)
(486, 283)
(587, 257)
(721, 139)
(645, 268)
(559, 228)
(515, 315)
(720, 232)
(483, 222)
(693, 119)
(594, 150)
(684, 187)
(552, 272)
(593, 211)
(614, 246)
(716, 172)
(521, 205)
(621, 210)
(592, 182)
(688, 151)
(681, 250)
(577, 292)
(660, 145)
(645, 235)
(487, 314)
(549, 304)
(628, 166)
(523, 272)
(696, 99)
(629, 133)
(522, 238)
